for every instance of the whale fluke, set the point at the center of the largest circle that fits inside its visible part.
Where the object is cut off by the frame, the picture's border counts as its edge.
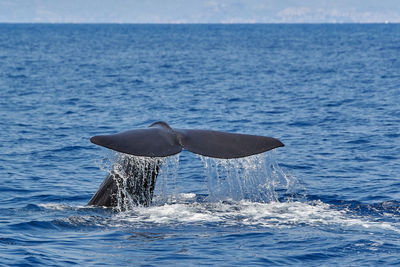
(160, 140)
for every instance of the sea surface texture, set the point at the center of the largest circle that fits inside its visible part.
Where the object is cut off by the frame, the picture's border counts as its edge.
(330, 93)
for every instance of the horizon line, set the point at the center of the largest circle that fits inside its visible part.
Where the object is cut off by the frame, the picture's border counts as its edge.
(195, 23)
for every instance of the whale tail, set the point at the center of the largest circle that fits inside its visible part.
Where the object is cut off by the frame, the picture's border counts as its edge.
(160, 140)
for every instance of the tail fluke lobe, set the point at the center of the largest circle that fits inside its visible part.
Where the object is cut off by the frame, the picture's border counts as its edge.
(151, 142)
(225, 145)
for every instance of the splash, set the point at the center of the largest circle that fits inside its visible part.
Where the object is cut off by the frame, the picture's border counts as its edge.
(166, 189)
(256, 178)
(134, 179)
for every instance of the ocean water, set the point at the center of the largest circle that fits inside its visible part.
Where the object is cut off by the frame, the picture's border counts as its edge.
(330, 93)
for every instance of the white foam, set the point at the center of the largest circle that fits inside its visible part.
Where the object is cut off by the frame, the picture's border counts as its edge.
(54, 206)
(243, 213)
(57, 206)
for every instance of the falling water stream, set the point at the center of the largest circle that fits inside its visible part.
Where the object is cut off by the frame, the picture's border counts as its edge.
(256, 178)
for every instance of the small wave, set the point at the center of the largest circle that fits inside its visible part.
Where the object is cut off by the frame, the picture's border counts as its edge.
(83, 221)
(381, 209)
(33, 225)
(17, 76)
(32, 207)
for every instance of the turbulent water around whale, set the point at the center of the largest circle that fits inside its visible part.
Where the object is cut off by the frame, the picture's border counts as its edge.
(330, 93)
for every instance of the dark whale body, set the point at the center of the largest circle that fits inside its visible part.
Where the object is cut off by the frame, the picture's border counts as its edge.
(156, 142)
(132, 186)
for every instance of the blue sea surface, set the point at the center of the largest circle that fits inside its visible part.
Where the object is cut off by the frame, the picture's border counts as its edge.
(330, 93)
